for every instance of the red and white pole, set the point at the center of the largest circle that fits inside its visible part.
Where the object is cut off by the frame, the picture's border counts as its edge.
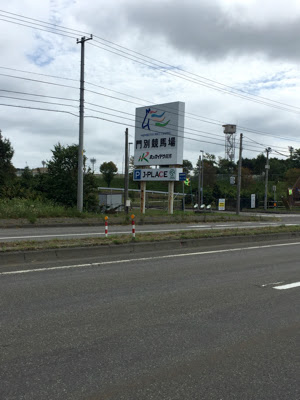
(106, 226)
(133, 226)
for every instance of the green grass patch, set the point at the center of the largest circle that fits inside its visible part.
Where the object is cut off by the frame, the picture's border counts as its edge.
(34, 209)
(143, 238)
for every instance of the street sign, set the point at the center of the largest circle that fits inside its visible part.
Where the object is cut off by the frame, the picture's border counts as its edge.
(221, 204)
(182, 176)
(137, 174)
(157, 174)
(252, 200)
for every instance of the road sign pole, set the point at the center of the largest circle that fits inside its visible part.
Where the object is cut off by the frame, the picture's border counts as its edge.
(171, 198)
(143, 197)
(183, 197)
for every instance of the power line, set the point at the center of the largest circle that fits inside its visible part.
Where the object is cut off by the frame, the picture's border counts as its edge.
(46, 23)
(180, 127)
(155, 66)
(40, 109)
(189, 73)
(193, 80)
(133, 126)
(264, 145)
(44, 30)
(199, 118)
(38, 101)
(39, 81)
(38, 95)
(37, 73)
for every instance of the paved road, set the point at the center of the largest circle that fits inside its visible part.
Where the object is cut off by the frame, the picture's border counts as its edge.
(65, 232)
(212, 324)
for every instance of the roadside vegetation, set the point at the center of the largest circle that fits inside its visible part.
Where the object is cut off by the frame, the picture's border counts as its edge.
(26, 211)
(51, 190)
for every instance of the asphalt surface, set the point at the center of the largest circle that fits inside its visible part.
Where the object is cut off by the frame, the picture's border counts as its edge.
(73, 232)
(219, 323)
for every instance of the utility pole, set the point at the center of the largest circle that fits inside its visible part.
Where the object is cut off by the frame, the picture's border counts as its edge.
(202, 176)
(199, 183)
(81, 125)
(268, 150)
(238, 197)
(126, 182)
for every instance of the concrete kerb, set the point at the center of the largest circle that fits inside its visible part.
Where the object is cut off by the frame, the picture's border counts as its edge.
(31, 257)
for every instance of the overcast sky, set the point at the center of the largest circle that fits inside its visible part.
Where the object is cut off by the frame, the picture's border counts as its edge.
(202, 52)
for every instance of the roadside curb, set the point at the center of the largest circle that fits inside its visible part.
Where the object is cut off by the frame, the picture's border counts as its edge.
(37, 256)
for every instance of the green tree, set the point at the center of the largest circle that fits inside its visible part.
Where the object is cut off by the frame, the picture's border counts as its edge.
(292, 175)
(63, 175)
(209, 170)
(277, 168)
(7, 170)
(259, 164)
(226, 166)
(295, 158)
(26, 179)
(187, 167)
(247, 179)
(108, 171)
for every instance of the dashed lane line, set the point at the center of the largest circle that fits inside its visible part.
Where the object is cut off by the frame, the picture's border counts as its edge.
(288, 286)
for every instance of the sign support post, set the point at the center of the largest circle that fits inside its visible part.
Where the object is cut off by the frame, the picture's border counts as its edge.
(171, 198)
(143, 197)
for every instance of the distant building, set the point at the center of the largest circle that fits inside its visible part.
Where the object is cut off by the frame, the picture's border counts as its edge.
(35, 171)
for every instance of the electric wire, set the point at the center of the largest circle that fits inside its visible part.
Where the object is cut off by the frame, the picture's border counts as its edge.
(40, 29)
(40, 109)
(68, 86)
(113, 45)
(39, 81)
(38, 73)
(64, 29)
(37, 101)
(180, 127)
(189, 73)
(38, 95)
(202, 83)
(199, 118)
(44, 22)
(133, 126)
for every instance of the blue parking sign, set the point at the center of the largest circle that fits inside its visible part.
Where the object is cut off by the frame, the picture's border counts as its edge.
(137, 174)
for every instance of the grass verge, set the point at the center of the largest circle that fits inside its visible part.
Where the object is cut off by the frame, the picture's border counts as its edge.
(142, 237)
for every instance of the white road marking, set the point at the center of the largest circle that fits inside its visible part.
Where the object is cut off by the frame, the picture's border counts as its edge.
(92, 234)
(272, 283)
(289, 286)
(126, 233)
(199, 253)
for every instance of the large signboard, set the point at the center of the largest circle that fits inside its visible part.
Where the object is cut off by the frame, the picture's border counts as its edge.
(161, 174)
(159, 131)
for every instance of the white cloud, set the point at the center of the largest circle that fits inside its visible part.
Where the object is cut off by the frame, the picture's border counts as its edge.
(243, 44)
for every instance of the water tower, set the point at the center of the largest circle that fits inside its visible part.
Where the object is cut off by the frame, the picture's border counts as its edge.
(229, 131)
